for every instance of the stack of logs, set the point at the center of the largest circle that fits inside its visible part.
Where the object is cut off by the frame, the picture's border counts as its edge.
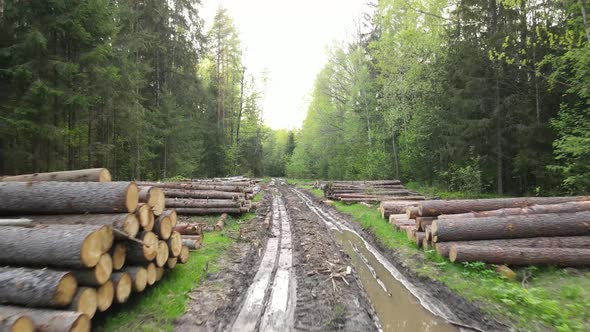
(369, 191)
(504, 231)
(70, 249)
(193, 232)
(208, 196)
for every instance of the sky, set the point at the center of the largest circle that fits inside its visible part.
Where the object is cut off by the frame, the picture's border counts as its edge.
(288, 41)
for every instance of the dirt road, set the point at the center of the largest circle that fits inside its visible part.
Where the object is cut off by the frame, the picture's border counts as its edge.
(317, 271)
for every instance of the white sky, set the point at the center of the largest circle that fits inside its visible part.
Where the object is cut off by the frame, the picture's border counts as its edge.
(287, 40)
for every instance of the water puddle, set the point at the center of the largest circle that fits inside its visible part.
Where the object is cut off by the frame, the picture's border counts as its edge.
(396, 307)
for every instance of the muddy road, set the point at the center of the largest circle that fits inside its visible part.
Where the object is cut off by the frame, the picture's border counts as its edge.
(312, 269)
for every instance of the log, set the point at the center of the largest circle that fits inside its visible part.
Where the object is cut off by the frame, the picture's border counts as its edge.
(580, 242)
(126, 223)
(519, 226)
(105, 295)
(422, 222)
(139, 276)
(221, 222)
(184, 255)
(394, 207)
(174, 244)
(171, 263)
(412, 212)
(21, 222)
(119, 254)
(411, 233)
(162, 254)
(123, 285)
(79, 245)
(400, 219)
(180, 193)
(67, 197)
(151, 273)
(16, 323)
(437, 207)
(81, 175)
(85, 301)
(153, 197)
(191, 243)
(191, 186)
(202, 204)
(143, 253)
(160, 273)
(420, 236)
(163, 227)
(47, 320)
(382, 198)
(202, 212)
(41, 288)
(568, 207)
(172, 215)
(97, 275)
(515, 256)
(145, 216)
(189, 229)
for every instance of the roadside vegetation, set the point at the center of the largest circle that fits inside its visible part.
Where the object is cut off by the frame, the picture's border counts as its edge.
(541, 298)
(158, 306)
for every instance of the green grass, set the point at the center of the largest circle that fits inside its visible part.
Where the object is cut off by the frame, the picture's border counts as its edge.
(552, 299)
(156, 308)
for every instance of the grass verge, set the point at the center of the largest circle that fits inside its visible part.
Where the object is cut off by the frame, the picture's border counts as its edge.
(548, 299)
(157, 307)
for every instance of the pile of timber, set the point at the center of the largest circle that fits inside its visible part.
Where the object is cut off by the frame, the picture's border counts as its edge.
(208, 196)
(504, 231)
(70, 249)
(369, 191)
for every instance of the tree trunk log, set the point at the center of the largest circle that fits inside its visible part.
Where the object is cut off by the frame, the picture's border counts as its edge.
(154, 198)
(163, 227)
(163, 253)
(175, 244)
(160, 273)
(203, 204)
(82, 175)
(189, 229)
(422, 222)
(67, 197)
(172, 215)
(184, 255)
(221, 222)
(138, 253)
(580, 242)
(47, 320)
(525, 226)
(388, 208)
(126, 223)
(191, 186)
(85, 301)
(150, 270)
(39, 288)
(437, 207)
(520, 256)
(171, 263)
(145, 216)
(123, 285)
(98, 275)
(139, 276)
(400, 219)
(17, 221)
(119, 255)
(568, 207)
(52, 245)
(202, 212)
(180, 193)
(16, 323)
(105, 295)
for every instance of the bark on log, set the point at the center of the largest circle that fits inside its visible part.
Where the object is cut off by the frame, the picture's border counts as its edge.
(145, 217)
(40, 288)
(524, 226)
(143, 253)
(47, 320)
(105, 295)
(422, 222)
(174, 244)
(150, 270)
(184, 255)
(580, 242)
(119, 254)
(400, 219)
(139, 276)
(163, 253)
(221, 222)
(383, 198)
(20, 222)
(412, 212)
(203, 204)
(202, 212)
(52, 245)
(568, 207)
(520, 256)
(191, 186)
(154, 197)
(82, 175)
(437, 207)
(85, 301)
(388, 208)
(189, 229)
(193, 244)
(163, 227)
(171, 263)
(16, 323)
(126, 223)
(123, 285)
(67, 197)
(181, 193)
(97, 275)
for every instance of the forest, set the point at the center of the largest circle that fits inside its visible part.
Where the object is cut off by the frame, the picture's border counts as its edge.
(479, 96)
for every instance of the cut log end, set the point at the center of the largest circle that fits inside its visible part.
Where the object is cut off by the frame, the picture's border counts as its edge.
(158, 201)
(103, 269)
(93, 248)
(86, 301)
(151, 273)
(159, 273)
(132, 198)
(171, 263)
(17, 323)
(184, 255)
(66, 289)
(123, 287)
(118, 255)
(150, 246)
(104, 175)
(140, 280)
(131, 225)
(105, 295)
(145, 216)
(81, 324)
(175, 244)
(164, 227)
(163, 253)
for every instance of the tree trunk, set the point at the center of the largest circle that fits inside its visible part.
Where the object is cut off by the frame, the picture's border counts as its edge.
(568, 207)
(422, 222)
(123, 285)
(98, 275)
(175, 244)
(221, 222)
(67, 197)
(171, 263)
(171, 214)
(189, 229)
(184, 255)
(204, 204)
(105, 295)
(38, 288)
(163, 227)
(520, 256)
(435, 208)
(195, 186)
(118, 254)
(188, 193)
(139, 276)
(160, 273)
(52, 245)
(412, 212)
(388, 208)
(47, 320)
(150, 270)
(153, 197)
(145, 216)
(582, 242)
(487, 228)
(83, 175)
(191, 243)
(126, 223)
(138, 253)
(85, 301)
(201, 212)
(163, 253)
(15, 322)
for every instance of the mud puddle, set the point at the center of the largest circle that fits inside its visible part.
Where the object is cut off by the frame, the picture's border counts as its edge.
(396, 307)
